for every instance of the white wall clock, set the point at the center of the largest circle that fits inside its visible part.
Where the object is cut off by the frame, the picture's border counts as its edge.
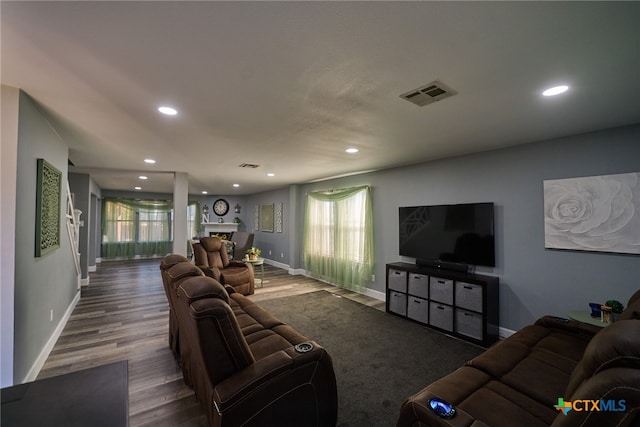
(221, 207)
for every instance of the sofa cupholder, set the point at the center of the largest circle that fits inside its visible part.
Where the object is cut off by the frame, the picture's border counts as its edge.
(304, 347)
(442, 408)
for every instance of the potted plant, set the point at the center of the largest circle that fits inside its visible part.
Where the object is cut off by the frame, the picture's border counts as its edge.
(611, 310)
(253, 253)
(616, 308)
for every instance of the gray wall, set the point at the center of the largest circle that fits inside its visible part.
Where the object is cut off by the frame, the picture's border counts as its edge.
(9, 98)
(274, 246)
(48, 283)
(533, 281)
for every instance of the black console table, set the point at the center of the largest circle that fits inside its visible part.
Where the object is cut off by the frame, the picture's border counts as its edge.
(96, 397)
(458, 303)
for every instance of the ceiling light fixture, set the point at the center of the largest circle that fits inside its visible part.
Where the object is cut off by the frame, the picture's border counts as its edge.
(351, 150)
(169, 111)
(149, 161)
(143, 177)
(271, 174)
(204, 192)
(137, 188)
(236, 185)
(556, 90)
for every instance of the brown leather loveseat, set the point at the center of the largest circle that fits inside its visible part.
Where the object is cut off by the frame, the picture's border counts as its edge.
(555, 372)
(247, 368)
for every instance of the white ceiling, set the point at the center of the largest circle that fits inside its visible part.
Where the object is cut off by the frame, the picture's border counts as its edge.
(290, 85)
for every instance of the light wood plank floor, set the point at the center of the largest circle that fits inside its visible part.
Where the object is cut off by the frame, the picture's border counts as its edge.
(123, 315)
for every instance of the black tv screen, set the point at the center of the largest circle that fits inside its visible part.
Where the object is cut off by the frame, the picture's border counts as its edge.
(460, 233)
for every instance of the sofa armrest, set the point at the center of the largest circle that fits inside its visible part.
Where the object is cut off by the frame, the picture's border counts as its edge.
(236, 263)
(213, 272)
(280, 382)
(568, 325)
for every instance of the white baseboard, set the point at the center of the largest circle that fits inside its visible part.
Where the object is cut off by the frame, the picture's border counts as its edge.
(92, 269)
(84, 282)
(368, 292)
(98, 260)
(48, 347)
(276, 264)
(375, 294)
(505, 333)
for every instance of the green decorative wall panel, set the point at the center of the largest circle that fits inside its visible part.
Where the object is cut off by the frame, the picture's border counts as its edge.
(48, 199)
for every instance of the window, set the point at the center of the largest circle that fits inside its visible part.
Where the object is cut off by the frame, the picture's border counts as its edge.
(193, 220)
(133, 228)
(119, 223)
(154, 226)
(338, 243)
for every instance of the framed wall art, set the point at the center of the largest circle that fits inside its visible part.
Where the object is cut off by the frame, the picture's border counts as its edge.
(256, 218)
(266, 218)
(596, 213)
(48, 199)
(279, 208)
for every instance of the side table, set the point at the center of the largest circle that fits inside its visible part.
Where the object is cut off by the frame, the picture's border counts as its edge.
(584, 316)
(255, 263)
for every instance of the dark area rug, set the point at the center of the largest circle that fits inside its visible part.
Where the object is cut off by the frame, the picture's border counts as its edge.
(379, 359)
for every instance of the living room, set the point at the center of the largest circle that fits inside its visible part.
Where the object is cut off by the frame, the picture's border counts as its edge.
(534, 281)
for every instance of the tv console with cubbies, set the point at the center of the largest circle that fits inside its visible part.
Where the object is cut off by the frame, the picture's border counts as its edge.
(461, 304)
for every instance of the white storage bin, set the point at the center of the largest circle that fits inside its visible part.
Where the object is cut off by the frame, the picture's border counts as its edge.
(397, 280)
(398, 303)
(419, 285)
(469, 296)
(469, 323)
(441, 290)
(441, 316)
(418, 309)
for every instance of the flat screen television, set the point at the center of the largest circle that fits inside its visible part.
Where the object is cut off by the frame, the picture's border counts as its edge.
(461, 233)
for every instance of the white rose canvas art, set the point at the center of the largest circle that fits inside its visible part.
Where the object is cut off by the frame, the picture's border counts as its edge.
(598, 213)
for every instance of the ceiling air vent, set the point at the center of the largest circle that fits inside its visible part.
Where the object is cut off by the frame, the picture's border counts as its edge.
(248, 165)
(429, 93)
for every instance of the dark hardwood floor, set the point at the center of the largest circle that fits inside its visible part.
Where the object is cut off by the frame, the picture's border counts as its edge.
(123, 315)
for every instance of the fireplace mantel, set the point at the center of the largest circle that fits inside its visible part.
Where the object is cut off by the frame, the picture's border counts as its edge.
(218, 227)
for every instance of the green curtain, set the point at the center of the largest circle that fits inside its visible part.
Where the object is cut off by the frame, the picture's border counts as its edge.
(338, 236)
(135, 228)
(118, 230)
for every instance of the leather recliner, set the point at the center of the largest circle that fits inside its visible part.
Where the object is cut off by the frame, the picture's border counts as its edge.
(211, 257)
(174, 270)
(248, 368)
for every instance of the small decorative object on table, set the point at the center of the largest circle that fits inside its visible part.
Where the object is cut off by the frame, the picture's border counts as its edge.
(606, 314)
(614, 309)
(595, 309)
(253, 253)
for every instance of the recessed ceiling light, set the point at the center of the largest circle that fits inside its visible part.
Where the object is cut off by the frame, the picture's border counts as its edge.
(236, 185)
(271, 174)
(204, 192)
(149, 161)
(137, 188)
(351, 150)
(169, 111)
(143, 177)
(556, 90)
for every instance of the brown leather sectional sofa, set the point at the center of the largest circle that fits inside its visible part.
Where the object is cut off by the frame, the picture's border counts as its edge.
(247, 368)
(518, 382)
